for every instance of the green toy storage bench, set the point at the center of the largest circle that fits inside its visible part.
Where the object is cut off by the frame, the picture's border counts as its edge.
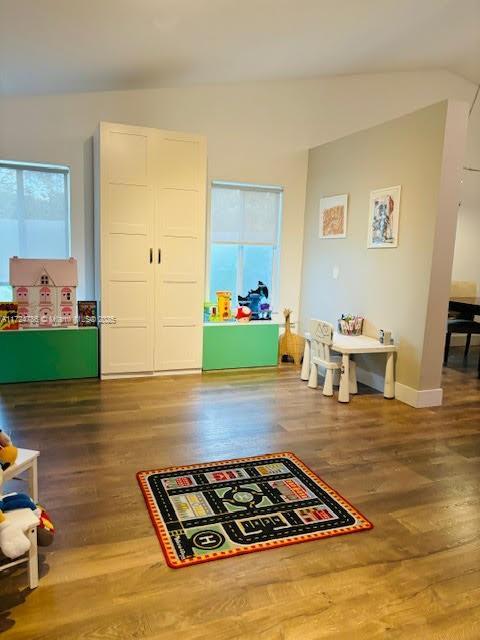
(235, 345)
(30, 355)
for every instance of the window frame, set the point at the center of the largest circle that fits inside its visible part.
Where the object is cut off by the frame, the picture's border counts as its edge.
(20, 167)
(247, 186)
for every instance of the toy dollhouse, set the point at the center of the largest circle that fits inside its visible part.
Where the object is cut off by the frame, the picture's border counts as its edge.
(45, 291)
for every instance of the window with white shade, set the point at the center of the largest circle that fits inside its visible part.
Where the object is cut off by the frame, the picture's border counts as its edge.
(244, 235)
(34, 215)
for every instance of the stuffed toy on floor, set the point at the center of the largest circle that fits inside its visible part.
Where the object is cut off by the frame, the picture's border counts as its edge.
(18, 513)
(13, 539)
(8, 453)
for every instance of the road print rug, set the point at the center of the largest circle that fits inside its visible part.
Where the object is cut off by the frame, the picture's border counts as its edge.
(221, 509)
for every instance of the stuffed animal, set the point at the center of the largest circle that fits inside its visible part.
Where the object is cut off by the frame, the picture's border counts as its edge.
(244, 314)
(13, 539)
(8, 453)
(46, 528)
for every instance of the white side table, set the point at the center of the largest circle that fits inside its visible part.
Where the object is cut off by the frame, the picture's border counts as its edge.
(26, 461)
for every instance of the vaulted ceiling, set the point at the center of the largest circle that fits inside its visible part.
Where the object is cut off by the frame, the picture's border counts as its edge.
(54, 46)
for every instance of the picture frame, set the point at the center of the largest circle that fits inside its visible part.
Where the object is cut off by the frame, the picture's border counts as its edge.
(333, 213)
(384, 218)
(9, 316)
(87, 313)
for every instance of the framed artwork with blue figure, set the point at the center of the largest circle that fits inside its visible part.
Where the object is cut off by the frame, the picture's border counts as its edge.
(384, 218)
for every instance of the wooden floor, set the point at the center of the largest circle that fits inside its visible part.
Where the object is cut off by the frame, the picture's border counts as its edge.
(414, 473)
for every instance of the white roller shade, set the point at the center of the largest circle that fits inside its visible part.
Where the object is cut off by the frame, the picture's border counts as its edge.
(244, 215)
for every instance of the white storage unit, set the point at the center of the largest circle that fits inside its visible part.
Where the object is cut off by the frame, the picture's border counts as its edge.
(150, 248)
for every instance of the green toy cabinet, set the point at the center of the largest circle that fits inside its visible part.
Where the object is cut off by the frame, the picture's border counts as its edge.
(48, 354)
(236, 345)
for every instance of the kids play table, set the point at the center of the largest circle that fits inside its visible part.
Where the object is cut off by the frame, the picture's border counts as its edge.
(349, 345)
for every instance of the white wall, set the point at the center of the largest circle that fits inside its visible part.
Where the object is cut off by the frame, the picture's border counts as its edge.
(466, 265)
(256, 133)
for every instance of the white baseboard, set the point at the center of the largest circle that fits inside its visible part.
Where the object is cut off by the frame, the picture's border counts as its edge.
(418, 398)
(408, 395)
(148, 374)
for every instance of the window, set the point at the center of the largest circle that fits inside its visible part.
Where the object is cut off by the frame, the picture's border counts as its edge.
(245, 227)
(34, 215)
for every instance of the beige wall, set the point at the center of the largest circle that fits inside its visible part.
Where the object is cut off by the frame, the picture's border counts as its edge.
(256, 133)
(466, 265)
(390, 287)
(444, 244)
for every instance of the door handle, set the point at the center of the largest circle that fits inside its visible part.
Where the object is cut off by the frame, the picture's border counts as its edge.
(151, 256)
(159, 256)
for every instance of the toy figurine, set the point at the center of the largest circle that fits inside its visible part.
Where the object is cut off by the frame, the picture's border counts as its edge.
(224, 305)
(265, 312)
(244, 314)
(253, 300)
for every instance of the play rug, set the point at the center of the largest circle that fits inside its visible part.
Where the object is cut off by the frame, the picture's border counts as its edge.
(220, 509)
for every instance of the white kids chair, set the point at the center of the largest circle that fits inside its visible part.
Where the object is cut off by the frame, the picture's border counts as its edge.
(321, 338)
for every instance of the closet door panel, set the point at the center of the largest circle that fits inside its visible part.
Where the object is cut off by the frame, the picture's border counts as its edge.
(181, 347)
(175, 300)
(127, 349)
(131, 304)
(128, 161)
(129, 258)
(180, 161)
(181, 257)
(180, 236)
(179, 208)
(127, 168)
(131, 209)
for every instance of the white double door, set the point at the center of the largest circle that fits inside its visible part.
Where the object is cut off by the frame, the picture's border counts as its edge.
(151, 248)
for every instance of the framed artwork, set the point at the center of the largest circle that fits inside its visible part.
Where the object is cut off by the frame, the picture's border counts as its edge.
(8, 316)
(384, 218)
(333, 217)
(87, 313)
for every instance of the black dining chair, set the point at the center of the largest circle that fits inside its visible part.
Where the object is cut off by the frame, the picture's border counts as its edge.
(461, 326)
(459, 323)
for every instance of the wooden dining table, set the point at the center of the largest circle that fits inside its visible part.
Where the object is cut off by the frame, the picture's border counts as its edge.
(467, 306)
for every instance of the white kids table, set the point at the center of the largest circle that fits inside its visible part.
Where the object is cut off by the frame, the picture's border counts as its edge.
(347, 345)
(26, 461)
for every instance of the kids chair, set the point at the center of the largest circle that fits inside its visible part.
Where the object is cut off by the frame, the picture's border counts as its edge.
(321, 340)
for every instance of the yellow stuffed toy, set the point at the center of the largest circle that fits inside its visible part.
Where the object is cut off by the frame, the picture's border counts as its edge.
(8, 453)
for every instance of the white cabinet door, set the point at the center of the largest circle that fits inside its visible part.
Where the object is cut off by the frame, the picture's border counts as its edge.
(180, 251)
(127, 200)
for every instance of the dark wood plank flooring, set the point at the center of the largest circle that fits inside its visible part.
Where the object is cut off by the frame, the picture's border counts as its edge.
(414, 473)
